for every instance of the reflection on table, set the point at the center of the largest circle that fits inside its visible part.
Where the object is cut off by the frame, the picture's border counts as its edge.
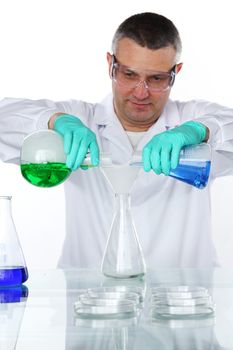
(51, 321)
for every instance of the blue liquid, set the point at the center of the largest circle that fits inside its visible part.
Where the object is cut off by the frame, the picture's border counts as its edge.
(192, 173)
(13, 294)
(13, 276)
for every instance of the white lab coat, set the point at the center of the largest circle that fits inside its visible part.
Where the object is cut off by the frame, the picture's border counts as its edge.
(173, 219)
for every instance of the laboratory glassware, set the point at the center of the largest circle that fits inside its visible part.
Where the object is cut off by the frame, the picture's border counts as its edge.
(43, 159)
(12, 306)
(193, 167)
(13, 270)
(123, 256)
(181, 301)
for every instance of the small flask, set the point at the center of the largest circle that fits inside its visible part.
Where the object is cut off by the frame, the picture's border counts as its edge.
(13, 270)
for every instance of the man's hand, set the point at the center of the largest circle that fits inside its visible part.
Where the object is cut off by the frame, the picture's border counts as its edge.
(162, 152)
(78, 139)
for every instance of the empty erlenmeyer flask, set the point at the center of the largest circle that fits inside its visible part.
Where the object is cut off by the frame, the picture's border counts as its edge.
(43, 160)
(123, 257)
(13, 270)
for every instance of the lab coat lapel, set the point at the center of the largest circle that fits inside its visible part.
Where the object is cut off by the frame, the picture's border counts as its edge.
(115, 141)
(113, 137)
(168, 120)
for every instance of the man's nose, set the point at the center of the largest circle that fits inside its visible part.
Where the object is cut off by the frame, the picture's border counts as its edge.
(141, 90)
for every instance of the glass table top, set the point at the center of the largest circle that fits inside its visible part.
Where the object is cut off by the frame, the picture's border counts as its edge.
(173, 309)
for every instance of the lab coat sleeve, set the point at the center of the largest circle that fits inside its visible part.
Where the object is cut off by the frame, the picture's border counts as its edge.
(219, 120)
(20, 117)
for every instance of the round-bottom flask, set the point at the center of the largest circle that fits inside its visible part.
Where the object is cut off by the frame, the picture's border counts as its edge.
(43, 159)
(13, 270)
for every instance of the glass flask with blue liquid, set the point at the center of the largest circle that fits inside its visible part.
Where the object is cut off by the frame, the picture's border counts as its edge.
(193, 167)
(13, 270)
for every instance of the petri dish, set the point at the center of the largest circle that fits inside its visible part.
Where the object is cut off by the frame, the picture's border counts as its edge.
(182, 311)
(208, 321)
(88, 311)
(105, 323)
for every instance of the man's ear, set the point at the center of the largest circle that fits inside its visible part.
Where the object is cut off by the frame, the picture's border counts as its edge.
(178, 67)
(109, 59)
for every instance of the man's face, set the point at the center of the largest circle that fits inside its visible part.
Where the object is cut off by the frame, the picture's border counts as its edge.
(138, 107)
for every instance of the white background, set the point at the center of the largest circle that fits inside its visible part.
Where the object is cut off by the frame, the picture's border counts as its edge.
(56, 49)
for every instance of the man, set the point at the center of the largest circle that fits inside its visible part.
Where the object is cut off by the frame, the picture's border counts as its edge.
(172, 218)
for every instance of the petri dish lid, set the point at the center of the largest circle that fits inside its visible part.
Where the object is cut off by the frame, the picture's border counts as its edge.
(184, 292)
(86, 299)
(179, 288)
(115, 295)
(124, 289)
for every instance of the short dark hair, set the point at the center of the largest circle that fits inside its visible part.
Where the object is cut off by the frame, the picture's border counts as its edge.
(149, 30)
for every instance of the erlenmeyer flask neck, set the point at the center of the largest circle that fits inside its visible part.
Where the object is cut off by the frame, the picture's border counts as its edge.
(123, 201)
(5, 205)
(7, 228)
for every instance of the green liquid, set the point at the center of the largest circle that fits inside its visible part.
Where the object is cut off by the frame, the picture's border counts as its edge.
(85, 167)
(45, 174)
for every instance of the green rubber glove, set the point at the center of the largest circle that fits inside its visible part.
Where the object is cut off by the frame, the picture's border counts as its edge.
(78, 140)
(162, 152)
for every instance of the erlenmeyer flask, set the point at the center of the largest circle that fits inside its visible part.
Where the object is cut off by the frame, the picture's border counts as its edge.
(13, 270)
(43, 159)
(193, 167)
(123, 257)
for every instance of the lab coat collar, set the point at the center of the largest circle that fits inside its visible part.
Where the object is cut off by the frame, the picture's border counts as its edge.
(113, 131)
(105, 114)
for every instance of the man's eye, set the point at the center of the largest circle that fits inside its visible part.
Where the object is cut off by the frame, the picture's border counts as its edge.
(130, 74)
(158, 78)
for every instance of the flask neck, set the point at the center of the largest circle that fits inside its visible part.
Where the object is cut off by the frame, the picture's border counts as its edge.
(123, 201)
(5, 205)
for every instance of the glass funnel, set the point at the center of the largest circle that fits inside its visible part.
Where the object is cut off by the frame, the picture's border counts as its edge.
(13, 270)
(43, 160)
(123, 257)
